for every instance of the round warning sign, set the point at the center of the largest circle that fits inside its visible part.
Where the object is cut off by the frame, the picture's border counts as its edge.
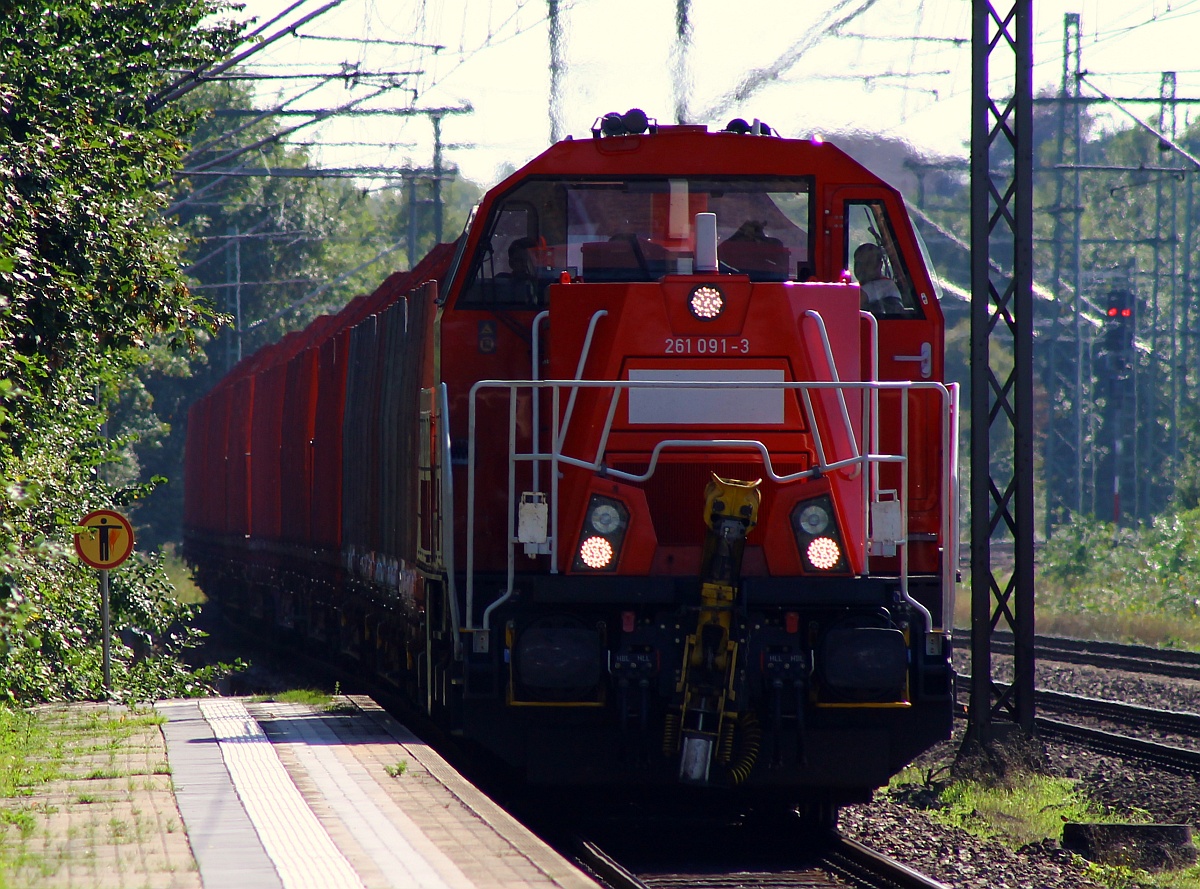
(107, 539)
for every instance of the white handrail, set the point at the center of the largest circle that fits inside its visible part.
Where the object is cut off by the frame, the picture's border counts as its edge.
(869, 458)
(536, 374)
(583, 357)
(832, 367)
(870, 409)
(950, 510)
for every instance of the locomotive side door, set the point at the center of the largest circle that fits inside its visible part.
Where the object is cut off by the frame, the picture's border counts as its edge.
(872, 237)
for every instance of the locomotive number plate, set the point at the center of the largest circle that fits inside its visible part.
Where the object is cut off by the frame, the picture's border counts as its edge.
(706, 345)
(700, 403)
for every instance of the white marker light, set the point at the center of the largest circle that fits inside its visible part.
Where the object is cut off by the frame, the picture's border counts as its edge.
(706, 302)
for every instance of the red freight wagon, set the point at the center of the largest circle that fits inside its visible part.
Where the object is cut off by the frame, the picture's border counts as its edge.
(296, 446)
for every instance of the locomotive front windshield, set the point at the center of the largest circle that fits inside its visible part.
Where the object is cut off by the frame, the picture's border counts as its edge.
(626, 230)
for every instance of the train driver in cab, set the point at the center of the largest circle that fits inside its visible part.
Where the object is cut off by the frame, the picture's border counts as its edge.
(880, 296)
(522, 274)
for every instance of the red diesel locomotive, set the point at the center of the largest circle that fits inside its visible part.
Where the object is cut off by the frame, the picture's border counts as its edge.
(650, 478)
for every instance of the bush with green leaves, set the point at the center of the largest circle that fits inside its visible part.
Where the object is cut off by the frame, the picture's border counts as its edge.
(1094, 567)
(89, 282)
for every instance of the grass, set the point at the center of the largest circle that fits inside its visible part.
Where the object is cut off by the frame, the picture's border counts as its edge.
(21, 818)
(1055, 619)
(1130, 584)
(311, 696)
(43, 745)
(1028, 811)
(1093, 581)
(398, 769)
(1142, 629)
(1024, 808)
(1137, 589)
(180, 575)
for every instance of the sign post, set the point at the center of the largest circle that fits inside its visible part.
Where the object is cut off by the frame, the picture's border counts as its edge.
(105, 542)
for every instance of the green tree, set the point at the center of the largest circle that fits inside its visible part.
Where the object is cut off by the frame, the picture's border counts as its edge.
(269, 252)
(89, 277)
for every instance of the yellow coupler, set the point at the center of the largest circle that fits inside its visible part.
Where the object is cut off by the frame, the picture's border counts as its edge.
(705, 686)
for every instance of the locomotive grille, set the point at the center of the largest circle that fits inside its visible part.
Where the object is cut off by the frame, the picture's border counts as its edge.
(675, 493)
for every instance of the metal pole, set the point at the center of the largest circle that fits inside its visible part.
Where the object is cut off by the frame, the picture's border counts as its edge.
(558, 67)
(231, 275)
(237, 293)
(981, 469)
(104, 620)
(1001, 403)
(411, 183)
(1083, 370)
(1064, 441)
(1117, 435)
(682, 79)
(437, 177)
(1185, 322)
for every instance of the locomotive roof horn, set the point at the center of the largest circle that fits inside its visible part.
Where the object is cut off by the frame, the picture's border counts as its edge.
(739, 126)
(632, 123)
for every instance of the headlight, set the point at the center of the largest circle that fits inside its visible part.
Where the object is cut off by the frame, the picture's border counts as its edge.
(596, 553)
(817, 536)
(824, 553)
(706, 302)
(604, 525)
(605, 518)
(814, 518)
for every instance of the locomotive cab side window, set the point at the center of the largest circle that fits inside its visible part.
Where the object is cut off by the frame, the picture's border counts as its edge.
(504, 270)
(875, 259)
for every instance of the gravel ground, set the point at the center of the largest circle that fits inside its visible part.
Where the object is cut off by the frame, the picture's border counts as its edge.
(901, 828)
(954, 856)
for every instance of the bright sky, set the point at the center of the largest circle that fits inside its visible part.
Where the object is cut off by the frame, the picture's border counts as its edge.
(895, 67)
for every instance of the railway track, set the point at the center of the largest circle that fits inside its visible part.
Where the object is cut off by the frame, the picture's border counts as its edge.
(1168, 721)
(1183, 760)
(1174, 722)
(1168, 756)
(839, 863)
(1110, 655)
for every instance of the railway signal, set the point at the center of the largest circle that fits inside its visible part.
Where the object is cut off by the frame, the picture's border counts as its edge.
(1120, 324)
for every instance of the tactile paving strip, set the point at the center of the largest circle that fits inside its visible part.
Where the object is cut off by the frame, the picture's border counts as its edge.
(300, 848)
(406, 857)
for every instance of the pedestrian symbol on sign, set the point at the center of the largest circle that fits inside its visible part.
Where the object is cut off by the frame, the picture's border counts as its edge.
(106, 541)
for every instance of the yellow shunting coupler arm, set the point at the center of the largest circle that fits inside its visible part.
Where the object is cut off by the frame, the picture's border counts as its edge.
(705, 688)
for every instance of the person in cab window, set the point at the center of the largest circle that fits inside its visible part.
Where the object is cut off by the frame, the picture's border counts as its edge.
(522, 275)
(880, 296)
(753, 232)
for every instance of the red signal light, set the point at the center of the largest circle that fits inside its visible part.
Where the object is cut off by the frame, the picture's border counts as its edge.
(1126, 313)
(1112, 312)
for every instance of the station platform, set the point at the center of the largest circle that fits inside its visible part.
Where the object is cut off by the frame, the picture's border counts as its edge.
(290, 796)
